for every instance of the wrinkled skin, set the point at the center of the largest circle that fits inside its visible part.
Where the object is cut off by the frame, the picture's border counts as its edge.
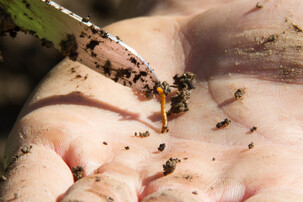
(228, 45)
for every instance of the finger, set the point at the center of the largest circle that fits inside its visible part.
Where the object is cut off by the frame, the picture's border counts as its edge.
(101, 188)
(113, 181)
(278, 196)
(35, 173)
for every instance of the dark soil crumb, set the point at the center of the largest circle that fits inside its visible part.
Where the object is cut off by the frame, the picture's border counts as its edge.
(92, 44)
(110, 199)
(184, 83)
(296, 27)
(188, 177)
(170, 165)
(254, 128)
(98, 179)
(258, 5)
(161, 147)
(224, 123)
(195, 192)
(7, 25)
(86, 19)
(77, 172)
(127, 147)
(78, 76)
(179, 102)
(166, 88)
(26, 149)
(271, 38)
(46, 43)
(185, 158)
(103, 34)
(3, 178)
(27, 5)
(239, 93)
(69, 47)
(251, 145)
(213, 158)
(23, 150)
(144, 134)
(105, 143)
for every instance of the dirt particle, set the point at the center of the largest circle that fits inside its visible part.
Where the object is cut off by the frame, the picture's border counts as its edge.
(107, 68)
(239, 93)
(161, 147)
(78, 76)
(271, 38)
(23, 150)
(184, 83)
(194, 192)
(27, 5)
(69, 47)
(127, 147)
(86, 19)
(296, 27)
(110, 199)
(224, 123)
(77, 172)
(103, 34)
(46, 43)
(165, 87)
(144, 134)
(179, 102)
(254, 128)
(251, 145)
(298, 48)
(188, 177)
(105, 143)
(121, 73)
(97, 179)
(92, 44)
(185, 158)
(213, 159)
(170, 165)
(7, 25)
(26, 149)
(258, 5)
(138, 76)
(133, 60)
(16, 195)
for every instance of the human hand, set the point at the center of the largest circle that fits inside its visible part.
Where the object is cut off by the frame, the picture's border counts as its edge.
(88, 120)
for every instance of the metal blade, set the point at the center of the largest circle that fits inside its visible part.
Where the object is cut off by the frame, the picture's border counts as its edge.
(82, 41)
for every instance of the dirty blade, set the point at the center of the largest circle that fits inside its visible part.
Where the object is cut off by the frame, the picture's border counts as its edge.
(82, 41)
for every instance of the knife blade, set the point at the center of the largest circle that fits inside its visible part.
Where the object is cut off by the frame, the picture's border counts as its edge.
(83, 41)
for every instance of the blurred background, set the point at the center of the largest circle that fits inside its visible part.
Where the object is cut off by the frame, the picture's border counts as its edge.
(25, 62)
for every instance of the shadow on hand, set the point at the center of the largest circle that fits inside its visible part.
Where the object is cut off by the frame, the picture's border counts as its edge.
(78, 98)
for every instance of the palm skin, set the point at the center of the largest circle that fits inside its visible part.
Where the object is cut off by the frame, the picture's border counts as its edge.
(234, 45)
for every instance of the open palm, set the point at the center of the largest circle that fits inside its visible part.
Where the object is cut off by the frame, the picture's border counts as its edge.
(76, 117)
